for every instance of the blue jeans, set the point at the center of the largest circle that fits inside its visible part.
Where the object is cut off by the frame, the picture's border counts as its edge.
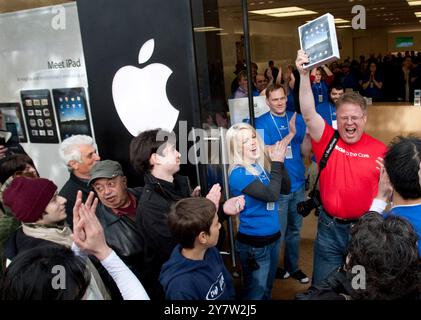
(291, 223)
(257, 284)
(330, 247)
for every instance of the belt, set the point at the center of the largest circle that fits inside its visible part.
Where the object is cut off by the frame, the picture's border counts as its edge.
(340, 220)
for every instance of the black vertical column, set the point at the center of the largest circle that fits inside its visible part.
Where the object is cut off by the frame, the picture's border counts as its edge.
(113, 32)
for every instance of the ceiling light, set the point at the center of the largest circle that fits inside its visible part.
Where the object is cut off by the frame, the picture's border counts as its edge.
(414, 3)
(417, 14)
(403, 30)
(339, 20)
(283, 12)
(345, 26)
(292, 14)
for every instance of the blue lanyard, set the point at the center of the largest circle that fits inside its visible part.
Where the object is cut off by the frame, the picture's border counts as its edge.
(277, 128)
(262, 171)
(331, 112)
(319, 88)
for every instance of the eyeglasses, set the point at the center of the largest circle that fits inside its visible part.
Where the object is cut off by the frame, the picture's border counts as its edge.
(351, 118)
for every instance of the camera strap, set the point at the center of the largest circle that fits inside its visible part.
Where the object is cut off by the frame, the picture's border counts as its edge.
(326, 155)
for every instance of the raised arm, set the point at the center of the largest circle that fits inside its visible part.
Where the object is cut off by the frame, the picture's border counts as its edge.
(327, 70)
(313, 120)
(292, 81)
(279, 76)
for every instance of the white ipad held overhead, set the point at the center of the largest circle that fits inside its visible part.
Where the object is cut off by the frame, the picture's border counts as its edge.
(318, 40)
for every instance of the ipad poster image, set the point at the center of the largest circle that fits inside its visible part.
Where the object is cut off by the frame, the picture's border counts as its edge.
(38, 111)
(11, 113)
(72, 112)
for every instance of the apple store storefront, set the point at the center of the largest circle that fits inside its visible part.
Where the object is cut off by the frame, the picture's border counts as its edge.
(111, 69)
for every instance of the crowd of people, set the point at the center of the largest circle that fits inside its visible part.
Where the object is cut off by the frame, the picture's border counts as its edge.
(392, 77)
(105, 240)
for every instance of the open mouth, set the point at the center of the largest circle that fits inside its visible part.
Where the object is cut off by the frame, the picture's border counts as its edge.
(351, 131)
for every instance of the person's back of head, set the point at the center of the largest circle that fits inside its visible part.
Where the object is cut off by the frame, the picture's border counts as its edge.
(242, 75)
(402, 162)
(16, 165)
(387, 250)
(189, 218)
(50, 272)
(145, 144)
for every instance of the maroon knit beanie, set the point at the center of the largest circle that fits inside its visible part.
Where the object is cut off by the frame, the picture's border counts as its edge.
(28, 198)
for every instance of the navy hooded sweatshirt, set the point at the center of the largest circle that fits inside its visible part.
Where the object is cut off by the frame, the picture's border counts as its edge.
(186, 279)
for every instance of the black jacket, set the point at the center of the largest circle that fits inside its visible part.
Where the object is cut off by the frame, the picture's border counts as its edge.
(19, 242)
(69, 191)
(122, 235)
(338, 286)
(151, 220)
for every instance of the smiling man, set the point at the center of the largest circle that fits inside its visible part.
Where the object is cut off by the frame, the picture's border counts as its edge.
(153, 154)
(349, 181)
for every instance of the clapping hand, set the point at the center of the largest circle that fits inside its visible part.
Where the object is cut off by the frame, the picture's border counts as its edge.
(292, 127)
(234, 205)
(88, 233)
(278, 151)
(385, 188)
(214, 195)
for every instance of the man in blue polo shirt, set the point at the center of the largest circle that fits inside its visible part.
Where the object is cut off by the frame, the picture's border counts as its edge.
(275, 124)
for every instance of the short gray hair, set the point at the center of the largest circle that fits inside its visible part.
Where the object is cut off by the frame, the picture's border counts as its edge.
(69, 148)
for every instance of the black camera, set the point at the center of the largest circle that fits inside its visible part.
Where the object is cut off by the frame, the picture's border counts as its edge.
(305, 207)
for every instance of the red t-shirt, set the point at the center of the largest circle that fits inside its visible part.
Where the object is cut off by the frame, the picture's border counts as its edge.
(349, 181)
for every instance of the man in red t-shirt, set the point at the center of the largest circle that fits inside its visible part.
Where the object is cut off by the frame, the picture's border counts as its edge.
(349, 181)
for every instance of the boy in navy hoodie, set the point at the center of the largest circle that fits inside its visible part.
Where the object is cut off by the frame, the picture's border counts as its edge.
(195, 270)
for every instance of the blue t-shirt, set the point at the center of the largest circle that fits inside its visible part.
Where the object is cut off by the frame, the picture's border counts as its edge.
(320, 89)
(255, 219)
(291, 102)
(412, 213)
(275, 129)
(328, 112)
